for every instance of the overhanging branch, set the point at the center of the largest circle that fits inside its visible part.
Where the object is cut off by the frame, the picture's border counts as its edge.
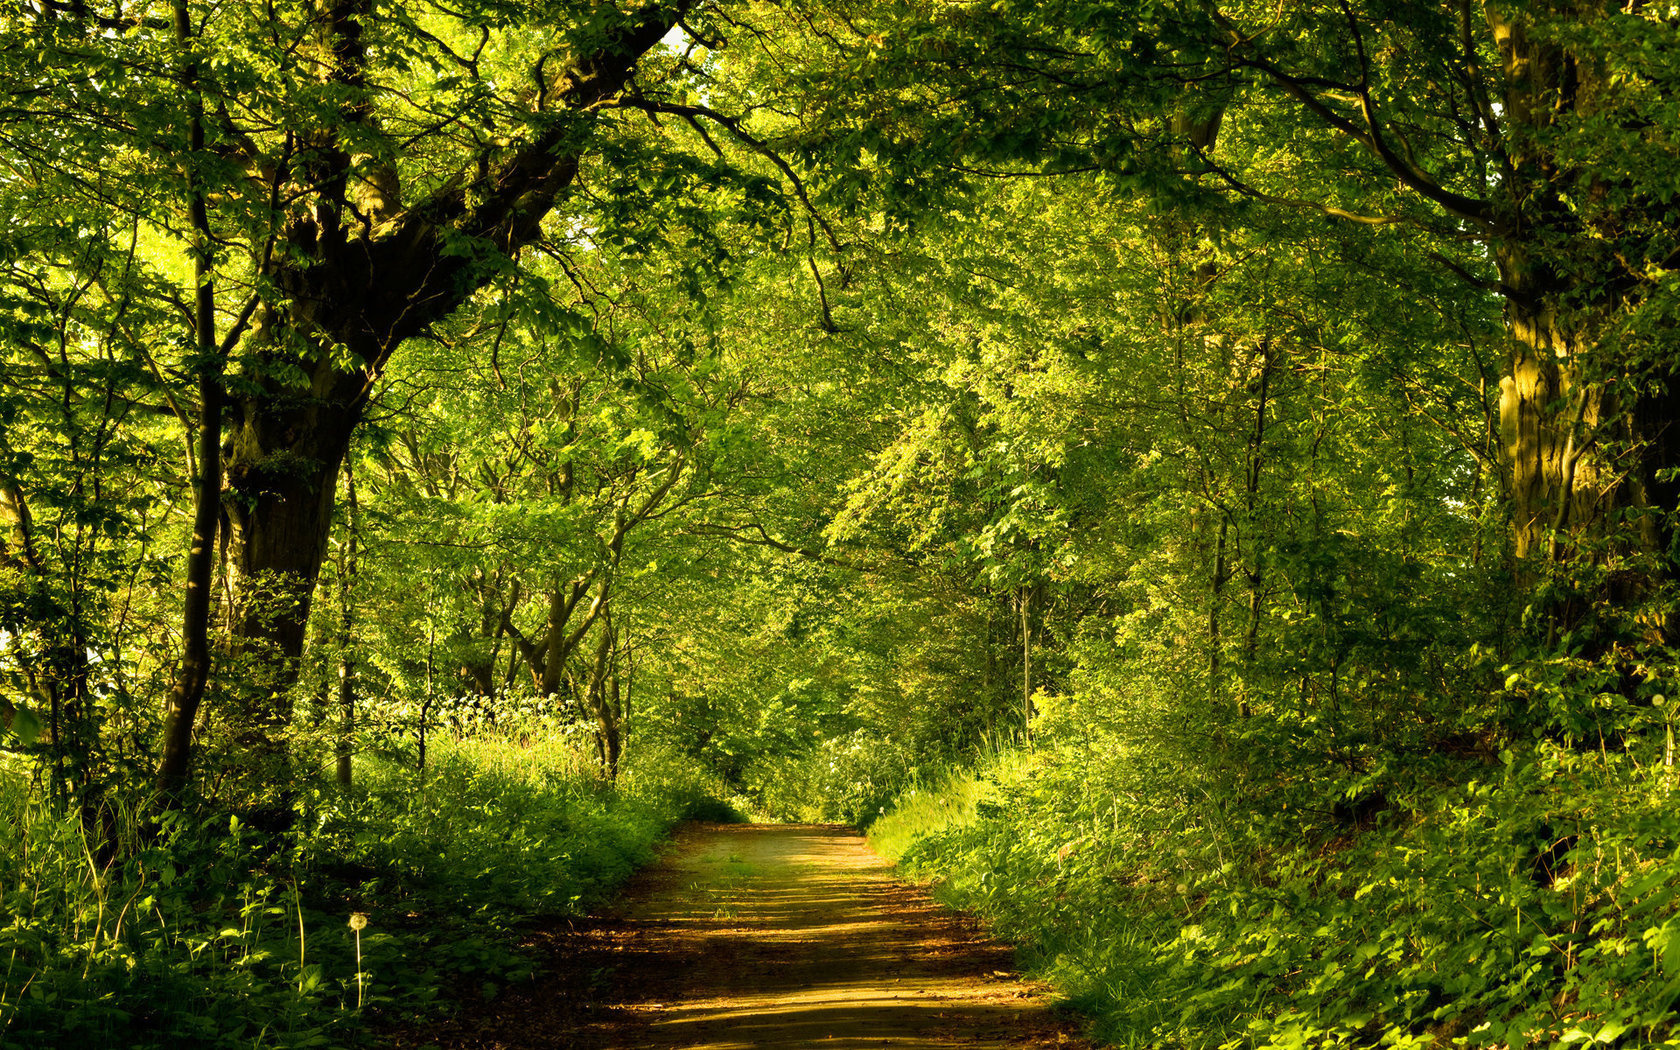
(739, 534)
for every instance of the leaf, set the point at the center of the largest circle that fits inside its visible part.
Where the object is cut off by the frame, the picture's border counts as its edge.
(26, 726)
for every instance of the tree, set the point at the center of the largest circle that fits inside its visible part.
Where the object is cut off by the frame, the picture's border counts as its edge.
(348, 175)
(1496, 135)
(82, 426)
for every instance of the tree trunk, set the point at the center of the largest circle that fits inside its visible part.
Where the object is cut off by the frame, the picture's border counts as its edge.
(1550, 423)
(1590, 510)
(1026, 664)
(478, 668)
(606, 716)
(193, 672)
(624, 689)
(478, 676)
(563, 599)
(345, 743)
(1586, 427)
(1256, 573)
(1216, 598)
(282, 473)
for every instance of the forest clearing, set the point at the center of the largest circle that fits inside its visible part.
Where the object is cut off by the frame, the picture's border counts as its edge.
(1195, 482)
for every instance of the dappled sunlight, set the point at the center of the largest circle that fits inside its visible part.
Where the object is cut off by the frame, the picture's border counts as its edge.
(1196, 483)
(767, 936)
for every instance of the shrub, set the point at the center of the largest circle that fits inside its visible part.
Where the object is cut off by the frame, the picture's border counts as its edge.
(214, 935)
(1533, 900)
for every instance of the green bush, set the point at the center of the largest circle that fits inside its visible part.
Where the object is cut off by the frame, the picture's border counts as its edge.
(849, 779)
(679, 786)
(215, 935)
(1529, 900)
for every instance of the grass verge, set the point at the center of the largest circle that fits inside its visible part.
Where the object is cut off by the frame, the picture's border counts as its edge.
(214, 935)
(1528, 898)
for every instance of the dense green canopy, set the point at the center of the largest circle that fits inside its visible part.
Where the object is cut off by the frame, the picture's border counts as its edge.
(1147, 418)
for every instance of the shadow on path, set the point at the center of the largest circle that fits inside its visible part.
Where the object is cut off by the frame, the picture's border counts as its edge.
(767, 936)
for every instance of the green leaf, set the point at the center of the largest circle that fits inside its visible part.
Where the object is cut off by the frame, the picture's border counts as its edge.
(26, 725)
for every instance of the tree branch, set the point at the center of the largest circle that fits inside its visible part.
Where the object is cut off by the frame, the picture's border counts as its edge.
(1371, 136)
(734, 534)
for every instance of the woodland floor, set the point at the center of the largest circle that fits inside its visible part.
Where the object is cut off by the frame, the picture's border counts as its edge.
(747, 936)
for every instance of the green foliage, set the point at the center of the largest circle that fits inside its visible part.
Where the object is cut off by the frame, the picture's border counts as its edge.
(860, 388)
(206, 930)
(848, 779)
(1528, 898)
(939, 804)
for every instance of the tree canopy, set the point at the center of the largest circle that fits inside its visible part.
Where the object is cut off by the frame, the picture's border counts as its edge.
(1235, 408)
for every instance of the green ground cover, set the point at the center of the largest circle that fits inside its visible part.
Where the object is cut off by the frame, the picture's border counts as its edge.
(212, 933)
(1527, 898)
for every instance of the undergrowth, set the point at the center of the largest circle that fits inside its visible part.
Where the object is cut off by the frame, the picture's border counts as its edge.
(848, 779)
(206, 933)
(1525, 897)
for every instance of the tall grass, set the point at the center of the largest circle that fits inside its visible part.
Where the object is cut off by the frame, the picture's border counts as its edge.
(943, 803)
(206, 933)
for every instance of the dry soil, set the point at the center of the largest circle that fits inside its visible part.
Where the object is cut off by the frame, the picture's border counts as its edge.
(766, 936)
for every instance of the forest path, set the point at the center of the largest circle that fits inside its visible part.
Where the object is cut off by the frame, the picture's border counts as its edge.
(767, 936)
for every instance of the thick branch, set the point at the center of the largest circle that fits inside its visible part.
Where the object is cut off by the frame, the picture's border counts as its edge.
(1371, 136)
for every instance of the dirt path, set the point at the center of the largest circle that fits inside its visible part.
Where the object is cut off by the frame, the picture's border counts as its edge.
(768, 937)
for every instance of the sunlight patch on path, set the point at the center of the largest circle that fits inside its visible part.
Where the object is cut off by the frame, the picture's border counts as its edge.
(781, 937)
